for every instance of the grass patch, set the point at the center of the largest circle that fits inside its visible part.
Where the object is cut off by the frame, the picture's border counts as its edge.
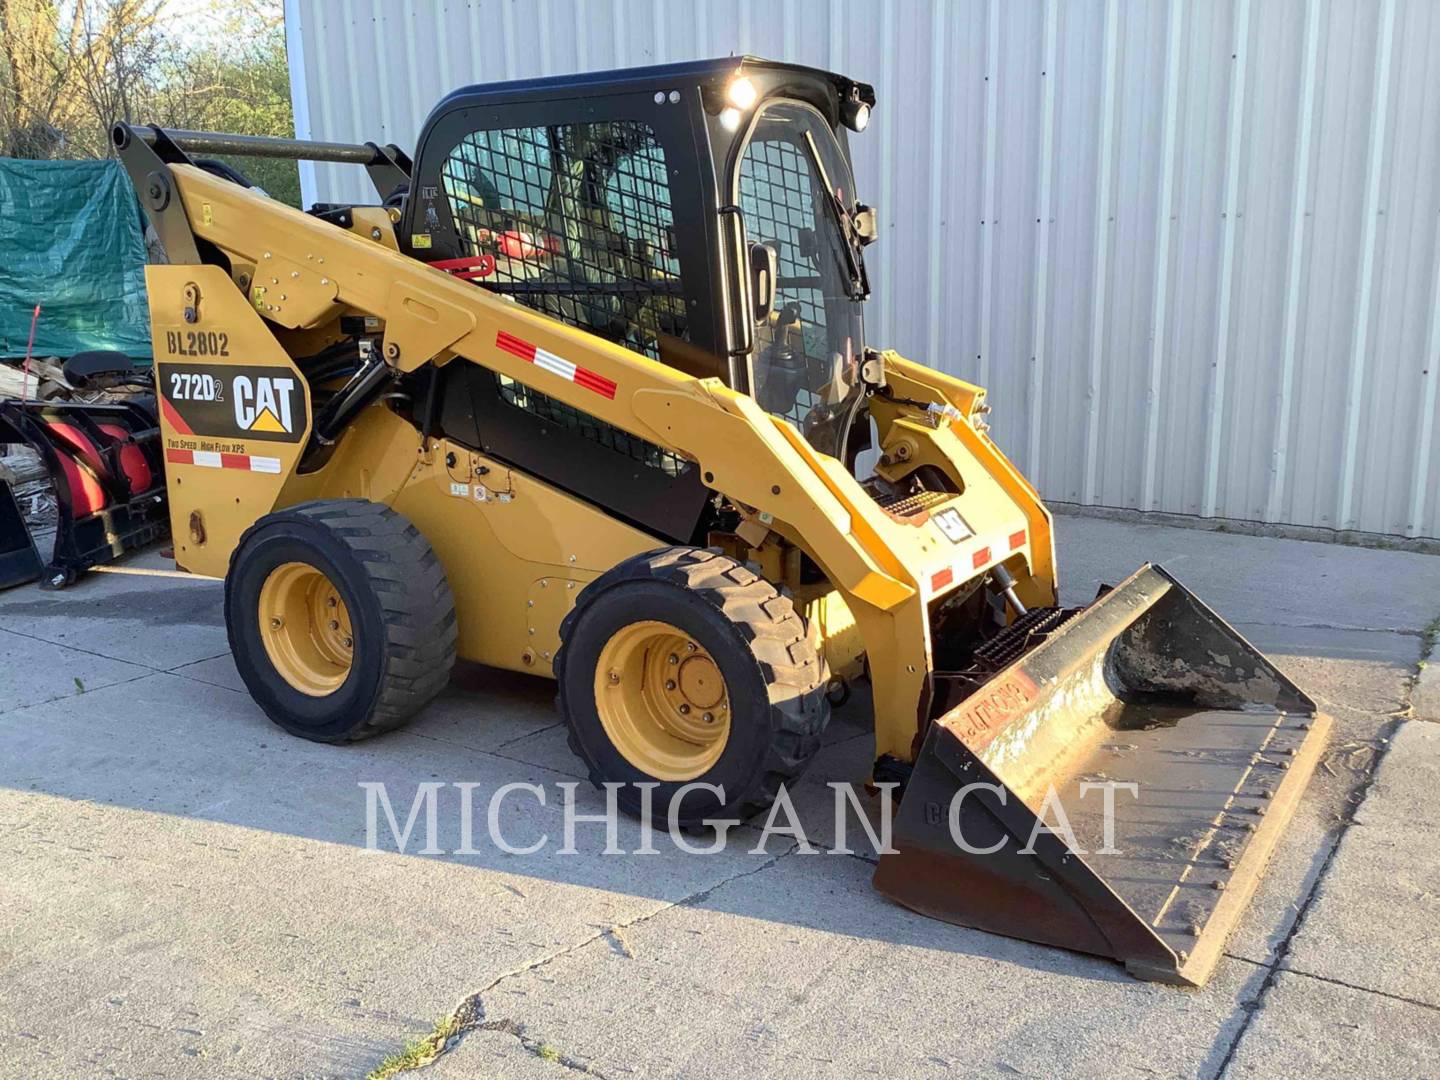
(1430, 637)
(417, 1052)
(548, 1052)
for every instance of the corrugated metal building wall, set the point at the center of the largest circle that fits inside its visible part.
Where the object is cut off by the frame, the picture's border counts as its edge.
(1191, 246)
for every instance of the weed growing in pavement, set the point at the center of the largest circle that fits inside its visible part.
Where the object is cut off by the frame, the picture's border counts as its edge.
(417, 1053)
(1429, 638)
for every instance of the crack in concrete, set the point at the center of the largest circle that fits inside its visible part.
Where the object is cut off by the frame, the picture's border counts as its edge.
(87, 652)
(542, 1050)
(535, 765)
(6, 713)
(1361, 792)
(1353, 804)
(470, 1015)
(1282, 951)
(532, 734)
(1341, 983)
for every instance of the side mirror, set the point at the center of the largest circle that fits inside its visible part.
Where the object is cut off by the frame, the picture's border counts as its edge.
(764, 270)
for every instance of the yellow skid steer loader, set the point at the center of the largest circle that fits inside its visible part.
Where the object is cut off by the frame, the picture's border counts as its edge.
(586, 394)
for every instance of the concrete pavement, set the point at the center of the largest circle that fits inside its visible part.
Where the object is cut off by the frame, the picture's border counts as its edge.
(184, 890)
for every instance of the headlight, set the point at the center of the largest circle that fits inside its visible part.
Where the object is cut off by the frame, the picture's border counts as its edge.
(730, 119)
(741, 93)
(855, 115)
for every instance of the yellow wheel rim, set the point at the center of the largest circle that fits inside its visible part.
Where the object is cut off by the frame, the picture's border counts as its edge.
(662, 701)
(306, 629)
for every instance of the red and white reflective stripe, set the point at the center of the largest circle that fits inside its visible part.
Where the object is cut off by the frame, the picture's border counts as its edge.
(556, 365)
(210, 459)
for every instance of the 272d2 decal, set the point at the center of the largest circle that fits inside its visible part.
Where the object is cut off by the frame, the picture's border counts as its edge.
(223, 402)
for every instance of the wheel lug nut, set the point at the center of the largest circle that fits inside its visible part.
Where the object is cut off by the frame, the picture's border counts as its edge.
(684, 710)
(349, 642)
(276, 622)
(709, 718)
(669, 684)
(334, 625)
(674, 659)
(614, 677)
(689, 646)
(331, 601)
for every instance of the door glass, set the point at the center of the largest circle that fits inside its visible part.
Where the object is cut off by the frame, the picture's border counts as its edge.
(805, 363)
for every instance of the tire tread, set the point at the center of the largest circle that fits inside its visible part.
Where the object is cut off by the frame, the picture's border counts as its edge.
(416, 605)
(785, 647)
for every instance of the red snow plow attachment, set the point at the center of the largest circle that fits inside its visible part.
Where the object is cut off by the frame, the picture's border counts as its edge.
(109, 478)
(1201, 743)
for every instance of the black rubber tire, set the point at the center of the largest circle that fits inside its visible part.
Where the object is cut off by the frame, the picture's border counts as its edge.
(773, 670)
(401, 611)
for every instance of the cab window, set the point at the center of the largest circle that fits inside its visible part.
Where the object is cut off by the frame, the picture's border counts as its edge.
(578, 221)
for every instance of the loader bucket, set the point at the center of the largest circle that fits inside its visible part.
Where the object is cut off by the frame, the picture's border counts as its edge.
(1202, 743)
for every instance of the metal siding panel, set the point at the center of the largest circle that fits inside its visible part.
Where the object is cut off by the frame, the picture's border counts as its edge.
(1423, 507)
(1391, 428)
(1100, 272)
(1019, 102)
(1228, 249)
(1229, 214)
(1266, 183)
(1338, 153)
(1044, 209)
(1141, 79)
(963, 204)
(1295, 265)
(1197, 222)
(1164, 229)
(1370, 216)
(988, 224)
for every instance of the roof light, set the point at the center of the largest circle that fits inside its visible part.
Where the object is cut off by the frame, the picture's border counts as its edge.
(855, 115)
(730, 119)
(742, 93)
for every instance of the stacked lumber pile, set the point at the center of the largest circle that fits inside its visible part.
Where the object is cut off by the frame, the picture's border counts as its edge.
(46, 381)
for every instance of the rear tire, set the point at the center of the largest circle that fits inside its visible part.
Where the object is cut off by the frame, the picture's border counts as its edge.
(387, 654)
(773, 676)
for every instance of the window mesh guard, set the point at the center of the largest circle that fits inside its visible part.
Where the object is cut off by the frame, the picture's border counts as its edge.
(777, 199)
(578, 221)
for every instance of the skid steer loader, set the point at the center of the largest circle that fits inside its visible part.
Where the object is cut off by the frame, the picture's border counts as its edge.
(586, 394)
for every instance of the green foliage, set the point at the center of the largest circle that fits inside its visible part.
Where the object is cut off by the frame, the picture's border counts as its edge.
(236, 79)
(417, 1053)
(69, 68)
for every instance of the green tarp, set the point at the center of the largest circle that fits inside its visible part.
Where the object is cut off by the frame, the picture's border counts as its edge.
(71, 240)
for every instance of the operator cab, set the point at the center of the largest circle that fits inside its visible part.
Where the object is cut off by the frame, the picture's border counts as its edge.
(702, 214)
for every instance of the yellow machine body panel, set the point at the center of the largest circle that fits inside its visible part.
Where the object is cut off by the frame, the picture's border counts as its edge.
(516, 551)
(234, 411)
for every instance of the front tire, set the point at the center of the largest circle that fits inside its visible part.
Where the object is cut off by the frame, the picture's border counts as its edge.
(340, 619)
(682, 666)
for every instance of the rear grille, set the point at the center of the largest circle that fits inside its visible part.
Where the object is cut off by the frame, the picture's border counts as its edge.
(908, 506)
(1020, 637)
